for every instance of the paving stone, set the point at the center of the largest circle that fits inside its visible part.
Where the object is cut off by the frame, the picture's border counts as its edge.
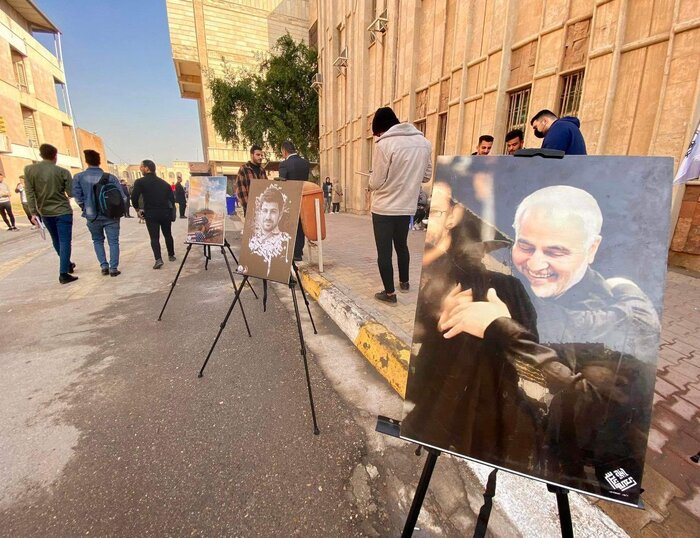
(664, 388)
(676, 378)
(684, 408)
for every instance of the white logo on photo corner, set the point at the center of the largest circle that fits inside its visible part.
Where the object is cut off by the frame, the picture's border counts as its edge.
(620, 480)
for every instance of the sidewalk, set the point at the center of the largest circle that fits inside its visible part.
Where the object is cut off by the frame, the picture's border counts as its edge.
(346, 288)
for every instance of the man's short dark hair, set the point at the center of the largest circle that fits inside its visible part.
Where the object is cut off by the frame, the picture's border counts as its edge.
(92, 157)
(515, 133)
(288, 146)
(544, 113)
(255, 148)
(273, 196)
(383, 120)
(48, 152)
(485, 138)
(150, 165)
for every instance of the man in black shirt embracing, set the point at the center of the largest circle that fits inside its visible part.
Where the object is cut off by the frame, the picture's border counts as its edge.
(158, 204)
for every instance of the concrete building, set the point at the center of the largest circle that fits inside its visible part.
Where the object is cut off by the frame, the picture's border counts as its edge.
(88, 140)
(459, 69)
(34, 102)
(207, 34)
(131, 172)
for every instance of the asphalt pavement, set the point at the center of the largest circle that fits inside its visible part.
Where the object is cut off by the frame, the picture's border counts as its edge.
(106, 429)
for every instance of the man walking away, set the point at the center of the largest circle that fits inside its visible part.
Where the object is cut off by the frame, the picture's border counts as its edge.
(337, 196)
(23, 197)
(158, 201)
(99, 195)
(559, 133)
(484, 146)
(6, 204)
(127, 193)
(327, 193)
(295, 168)
(251, 170)
(514, 141)
(48, 187)
(401, 161)
(180, 197)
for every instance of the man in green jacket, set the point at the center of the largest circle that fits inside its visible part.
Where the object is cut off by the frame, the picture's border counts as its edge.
(48, 187)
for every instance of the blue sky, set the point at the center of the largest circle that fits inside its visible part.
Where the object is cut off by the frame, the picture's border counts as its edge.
(121, 78)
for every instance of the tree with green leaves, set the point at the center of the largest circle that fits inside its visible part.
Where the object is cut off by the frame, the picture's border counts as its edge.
(273, 105)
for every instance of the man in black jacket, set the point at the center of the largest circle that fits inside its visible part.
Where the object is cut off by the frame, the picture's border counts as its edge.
(158, 203)
(181, 197)
(294, 168)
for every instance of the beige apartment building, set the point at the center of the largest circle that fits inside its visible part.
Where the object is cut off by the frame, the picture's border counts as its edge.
(207, 34)
(628, 69)
(34, 102)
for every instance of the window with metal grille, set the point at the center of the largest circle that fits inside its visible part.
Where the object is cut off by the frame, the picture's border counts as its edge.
(572, 87)
(20, 71)
(30, 127)
(518, 104)
(420, 125)
(442, 134)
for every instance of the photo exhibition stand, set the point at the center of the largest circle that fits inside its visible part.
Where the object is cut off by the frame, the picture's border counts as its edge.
(392, 427)
(207, 257)
(293, 281)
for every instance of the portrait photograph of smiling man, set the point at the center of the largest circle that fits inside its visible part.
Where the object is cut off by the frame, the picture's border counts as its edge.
(586, 237)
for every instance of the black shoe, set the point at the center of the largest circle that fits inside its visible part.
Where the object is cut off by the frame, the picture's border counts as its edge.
(298, 259)
(72, 268)
(105, 271)
(385, 297)
(183, 217)
(66, 278)
(172, 258)
(114, 272)
(158, 264)
(404, 286)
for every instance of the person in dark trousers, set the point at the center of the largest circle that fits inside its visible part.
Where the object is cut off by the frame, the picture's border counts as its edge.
(297, 169)
(6, 204)
(48, 187)
(337, 196)
(98, 223)
(559, 133)
(251, 170)
(181, 197)
(401, 161)
(158, 201)
(127, 194)
(19, 189)
(327, 194)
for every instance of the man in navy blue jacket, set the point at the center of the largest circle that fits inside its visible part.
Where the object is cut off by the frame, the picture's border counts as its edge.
(559, 133)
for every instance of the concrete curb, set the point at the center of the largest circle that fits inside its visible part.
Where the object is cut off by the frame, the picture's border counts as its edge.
(380, 346)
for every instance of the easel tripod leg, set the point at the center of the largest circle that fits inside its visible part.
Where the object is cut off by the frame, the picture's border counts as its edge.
(303, 294)
(233, 281)
(235, 260)
(567, 528)
(421, 490)
(172, 287)
(223, 324)
(303, 354)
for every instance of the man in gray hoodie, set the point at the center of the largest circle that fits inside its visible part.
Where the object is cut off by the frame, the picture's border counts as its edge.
(401, 162)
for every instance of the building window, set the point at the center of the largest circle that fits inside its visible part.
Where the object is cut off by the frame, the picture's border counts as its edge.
(30, 127)
(420, 125)
(61, 95)
(518, 103)
(20, 71)
(572, 87)
(442, 134)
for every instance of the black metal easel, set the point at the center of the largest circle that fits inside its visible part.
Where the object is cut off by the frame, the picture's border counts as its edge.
(292, 286)
(207, 257)
(392, 427)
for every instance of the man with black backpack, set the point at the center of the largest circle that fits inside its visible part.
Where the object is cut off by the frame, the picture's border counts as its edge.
(103, 202)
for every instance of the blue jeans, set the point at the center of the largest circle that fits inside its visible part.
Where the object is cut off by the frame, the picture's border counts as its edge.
(61, 230)
(100, 227)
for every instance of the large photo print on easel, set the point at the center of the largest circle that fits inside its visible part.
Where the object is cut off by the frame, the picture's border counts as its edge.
(537, 324)
(269, 233)
(206, 223)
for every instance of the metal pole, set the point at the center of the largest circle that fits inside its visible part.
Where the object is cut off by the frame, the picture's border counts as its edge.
(67, 95)
(319, 241)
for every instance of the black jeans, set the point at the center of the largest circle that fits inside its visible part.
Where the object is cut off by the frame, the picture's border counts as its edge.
(388, 230)
(182, 205)
(299, 244)
(157, 220)
(6, 211)
(336, 207)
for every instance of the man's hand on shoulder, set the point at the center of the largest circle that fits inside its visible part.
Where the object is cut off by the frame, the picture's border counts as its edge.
(461, 314)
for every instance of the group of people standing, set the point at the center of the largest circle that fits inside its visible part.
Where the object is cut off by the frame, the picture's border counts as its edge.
(332, 194)
(47, 189)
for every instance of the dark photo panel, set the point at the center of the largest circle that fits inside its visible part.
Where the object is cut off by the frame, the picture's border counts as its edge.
(537, 325)
(269, 233)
